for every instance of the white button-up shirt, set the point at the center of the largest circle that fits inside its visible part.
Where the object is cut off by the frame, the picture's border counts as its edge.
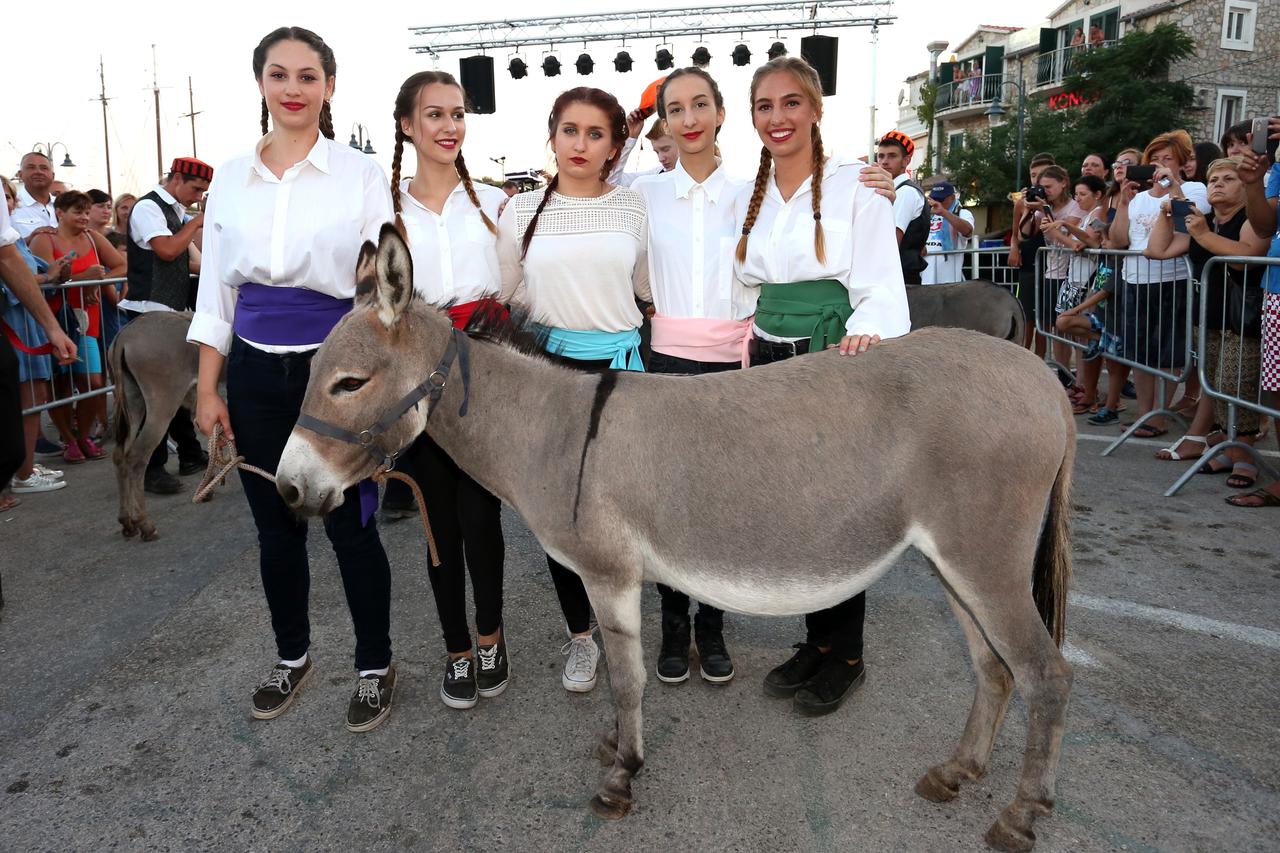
(147, 225)
(303, 229)
(861, 247)
(8, 234)
(692, 232)
(455, 256)
(31, 214)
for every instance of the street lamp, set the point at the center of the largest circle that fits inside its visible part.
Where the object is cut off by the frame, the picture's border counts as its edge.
(360, 139)
(47, 151)
(997, 110)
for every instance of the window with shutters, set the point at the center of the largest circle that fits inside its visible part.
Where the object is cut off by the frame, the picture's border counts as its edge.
(1238, 20)
(1231, 105)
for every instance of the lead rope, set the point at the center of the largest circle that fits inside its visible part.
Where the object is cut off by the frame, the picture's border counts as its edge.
(223, 459)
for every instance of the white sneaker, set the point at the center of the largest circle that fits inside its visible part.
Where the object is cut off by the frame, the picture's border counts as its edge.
(580, 669)
(51, 473)
(38, 482)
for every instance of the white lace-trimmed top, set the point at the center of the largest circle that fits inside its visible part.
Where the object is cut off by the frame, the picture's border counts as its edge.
(586, 264)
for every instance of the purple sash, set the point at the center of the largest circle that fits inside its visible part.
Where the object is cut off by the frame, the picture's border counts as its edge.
(295, 316)
(286, 316)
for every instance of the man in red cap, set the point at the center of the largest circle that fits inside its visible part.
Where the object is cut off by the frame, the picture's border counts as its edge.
(911, 215)
(161, 261)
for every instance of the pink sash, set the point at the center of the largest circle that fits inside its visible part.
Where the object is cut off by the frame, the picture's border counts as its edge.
(702, 340)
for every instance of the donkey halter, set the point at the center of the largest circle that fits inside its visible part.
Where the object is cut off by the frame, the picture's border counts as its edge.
(432, 388)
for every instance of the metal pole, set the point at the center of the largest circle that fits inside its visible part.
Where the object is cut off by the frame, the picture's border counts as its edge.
(1022, 108)
(191, 105)
(106, 139)
(875, 43)
(155, 88)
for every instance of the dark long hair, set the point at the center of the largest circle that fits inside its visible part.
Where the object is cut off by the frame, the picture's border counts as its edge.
(406, 106)
(327, 63)
(618, 131)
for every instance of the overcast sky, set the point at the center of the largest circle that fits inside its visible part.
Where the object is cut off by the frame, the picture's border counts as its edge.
(51, 80)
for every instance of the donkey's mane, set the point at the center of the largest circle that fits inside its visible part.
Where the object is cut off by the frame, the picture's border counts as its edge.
(514, 330)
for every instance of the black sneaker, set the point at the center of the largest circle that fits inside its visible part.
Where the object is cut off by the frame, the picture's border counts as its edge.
(194, 465)
(492, 671)
(829, 687)
(713, 658)
(394, 510)
(458, 690)
(276, 692)
(161, 482)
(371, 702)
(784, 680)
(673, 659)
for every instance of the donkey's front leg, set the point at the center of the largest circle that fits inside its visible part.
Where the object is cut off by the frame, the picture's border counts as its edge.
(617, 606)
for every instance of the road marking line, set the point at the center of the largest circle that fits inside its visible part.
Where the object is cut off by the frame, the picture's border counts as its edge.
(1149, 442)
(1078, 656)
(1186, 621)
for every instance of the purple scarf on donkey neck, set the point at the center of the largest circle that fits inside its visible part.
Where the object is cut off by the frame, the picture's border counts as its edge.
(296, 316)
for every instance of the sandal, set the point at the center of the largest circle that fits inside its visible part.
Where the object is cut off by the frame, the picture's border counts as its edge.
(1221, 459)
(1256, 498)
(1171, 453)
(1146, 431)
(1243, 475)
(1084, 407)
(1186, 406)
(8, 502)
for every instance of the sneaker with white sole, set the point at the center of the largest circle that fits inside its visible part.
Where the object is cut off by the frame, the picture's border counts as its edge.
(493, 672)
(458, 689)
(276, 692)
(46, 449)
(371, 702)
(37, 482)
(51, 473)
(580, 668)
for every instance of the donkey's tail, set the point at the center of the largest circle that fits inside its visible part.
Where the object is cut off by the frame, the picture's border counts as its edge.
(1052, 573)
(126, 386)
(1017, 324)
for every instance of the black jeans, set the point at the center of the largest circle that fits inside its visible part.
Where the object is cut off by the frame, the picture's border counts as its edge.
(839, 627)
(181, 429)
(466, 522)
(264, 395)
(674, 602)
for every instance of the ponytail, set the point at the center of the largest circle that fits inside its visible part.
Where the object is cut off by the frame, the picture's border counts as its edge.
(461, 166)
(326, 121)
(533, 223)
(757, 196)
(265, 116)
(815, 189)
(395, 181)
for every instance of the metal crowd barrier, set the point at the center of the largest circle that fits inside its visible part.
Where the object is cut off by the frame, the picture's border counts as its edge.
(1228, 354)
(1147, 318)
(989, 264)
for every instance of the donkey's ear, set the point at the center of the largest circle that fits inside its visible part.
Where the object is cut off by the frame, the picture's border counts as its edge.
(367, 271)
(394, 276)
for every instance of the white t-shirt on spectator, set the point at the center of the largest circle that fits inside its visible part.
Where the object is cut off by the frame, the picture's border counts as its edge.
(31, 214)
(907, 205)
(8, 234)
(1144, 213)
(948, 269)
(1058, 257)
(146, 222)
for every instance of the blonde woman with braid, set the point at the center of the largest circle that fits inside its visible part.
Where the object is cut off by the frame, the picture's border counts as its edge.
(822, 249)
(449, 224)
(283, 229)
(573, 255)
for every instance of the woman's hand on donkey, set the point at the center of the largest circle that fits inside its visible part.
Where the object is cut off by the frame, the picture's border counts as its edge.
(854, 344)
(211, 410)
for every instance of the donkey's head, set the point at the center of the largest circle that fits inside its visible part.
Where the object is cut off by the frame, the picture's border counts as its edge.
(359, 408)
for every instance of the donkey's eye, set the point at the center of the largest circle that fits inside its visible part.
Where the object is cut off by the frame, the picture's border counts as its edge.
(349, 383)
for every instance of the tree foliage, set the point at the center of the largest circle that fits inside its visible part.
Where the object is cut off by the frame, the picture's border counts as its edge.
(1129, 100)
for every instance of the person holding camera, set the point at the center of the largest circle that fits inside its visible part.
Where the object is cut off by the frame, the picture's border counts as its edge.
(950, 228)
(1023, 246)
(1154, 292)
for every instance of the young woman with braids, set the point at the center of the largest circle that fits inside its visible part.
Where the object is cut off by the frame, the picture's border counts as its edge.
(573, 255)
(449, 224)
(283, 229)
(822, 249)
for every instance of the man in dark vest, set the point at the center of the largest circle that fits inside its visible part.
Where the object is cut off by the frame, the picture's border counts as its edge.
(161, 262)
(910, 213)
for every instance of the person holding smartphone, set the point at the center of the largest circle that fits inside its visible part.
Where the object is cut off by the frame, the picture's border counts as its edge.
(1025, 242)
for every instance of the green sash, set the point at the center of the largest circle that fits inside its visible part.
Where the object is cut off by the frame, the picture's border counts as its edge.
(817, 310)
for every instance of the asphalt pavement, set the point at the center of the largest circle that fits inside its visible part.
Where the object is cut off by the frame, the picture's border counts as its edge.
(124, 722)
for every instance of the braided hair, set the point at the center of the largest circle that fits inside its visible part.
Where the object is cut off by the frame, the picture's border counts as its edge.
(405, 109)
(811, 87)
(607, 104)
(328, 64)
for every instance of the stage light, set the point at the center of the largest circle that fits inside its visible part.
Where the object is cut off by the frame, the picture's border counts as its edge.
(741, 55)
(518, 69)
(622, 62)
(664, 60)
(551, 66)
(584, 64)
(701, 57)
(777, 49)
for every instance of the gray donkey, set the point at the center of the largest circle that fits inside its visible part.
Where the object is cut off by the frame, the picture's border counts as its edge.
(154, 372)
(628, 477)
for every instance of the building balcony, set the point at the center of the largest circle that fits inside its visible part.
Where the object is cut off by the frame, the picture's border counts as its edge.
(1057, 65)
(968, 97)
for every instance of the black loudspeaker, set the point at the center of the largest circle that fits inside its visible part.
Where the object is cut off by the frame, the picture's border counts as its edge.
(477, 82)
(821, 53)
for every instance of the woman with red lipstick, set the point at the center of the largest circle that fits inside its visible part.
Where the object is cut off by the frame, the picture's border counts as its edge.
(574, 257)
(820, 246)
(449, 224)
(283, 229)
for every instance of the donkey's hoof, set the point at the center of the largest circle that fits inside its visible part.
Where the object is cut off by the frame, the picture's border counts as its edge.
(128, 530)
(932, 787)
(1002, 836)
(609, 808)
(606, 751)
(149, 532)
